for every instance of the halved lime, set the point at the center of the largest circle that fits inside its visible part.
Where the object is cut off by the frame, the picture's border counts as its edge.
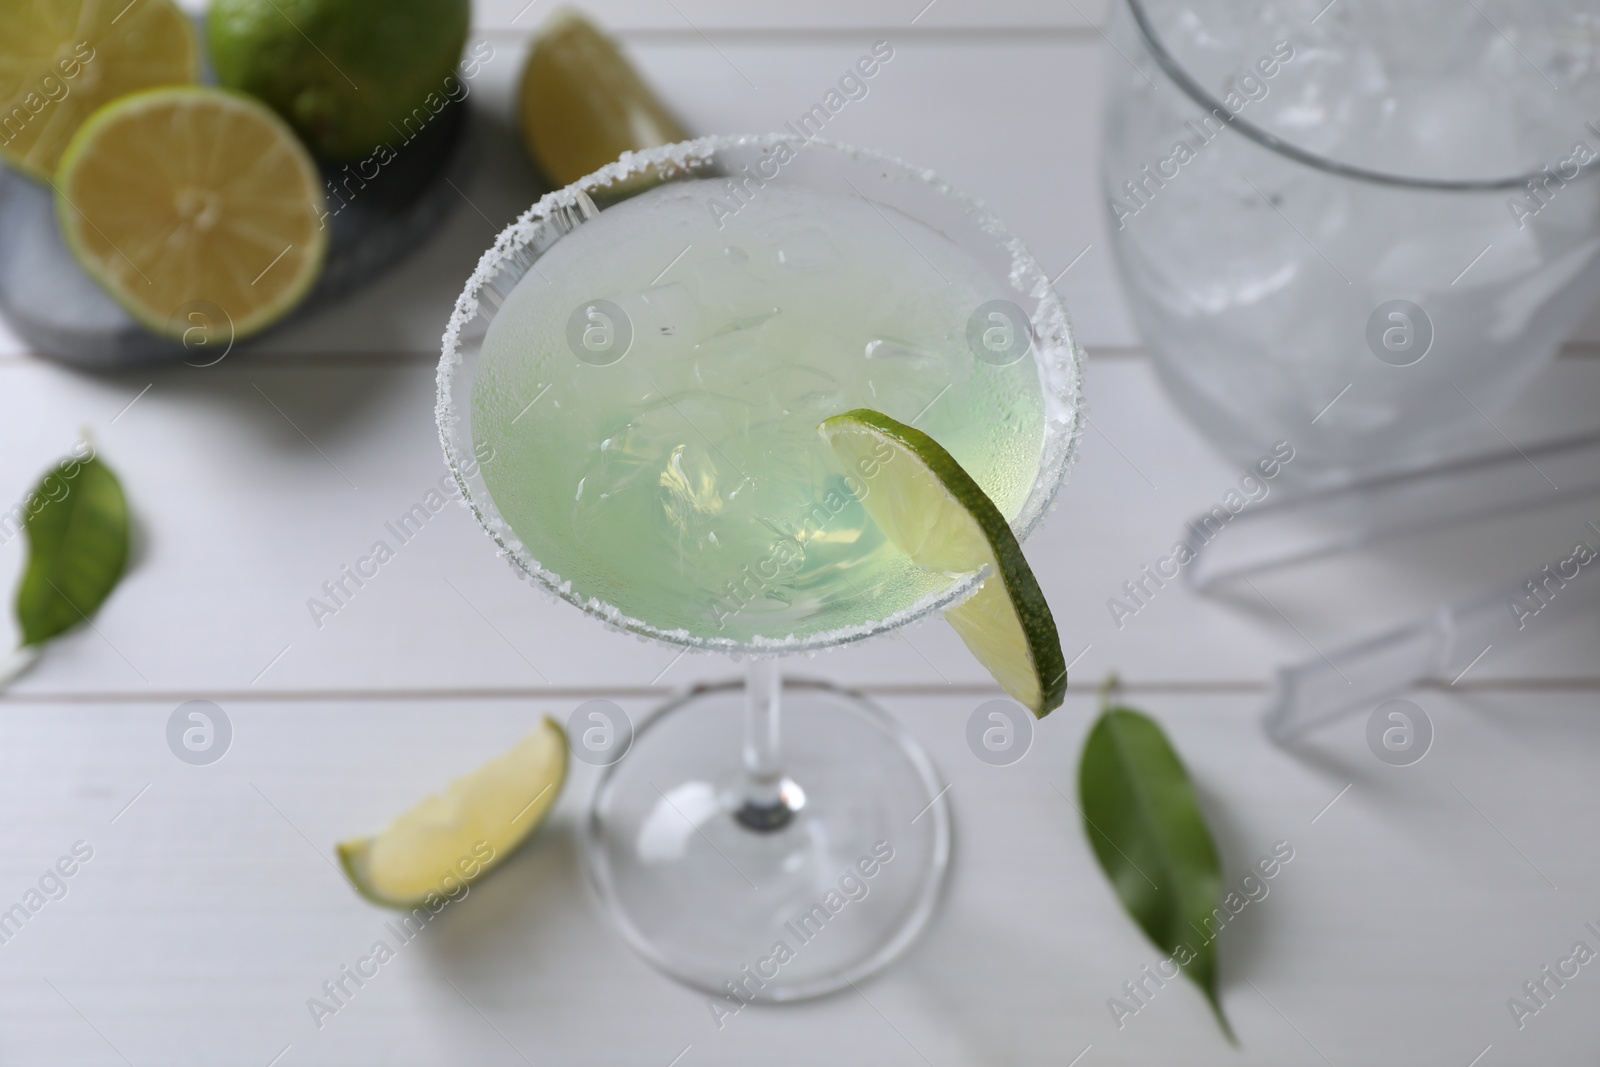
(455, 837)
(60, 60)
(190, 198)
(934, 512)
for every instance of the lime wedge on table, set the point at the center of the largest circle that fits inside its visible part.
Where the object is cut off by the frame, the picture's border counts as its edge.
(457, 836)
(193, 205)
(62, 59)
(582, 103)
(935, 513)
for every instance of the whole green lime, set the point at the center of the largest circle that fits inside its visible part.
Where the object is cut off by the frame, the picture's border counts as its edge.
(348, 75)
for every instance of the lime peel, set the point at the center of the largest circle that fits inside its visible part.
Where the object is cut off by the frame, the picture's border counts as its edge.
(351, 76)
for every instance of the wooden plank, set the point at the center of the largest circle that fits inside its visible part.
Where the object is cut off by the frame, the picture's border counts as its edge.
(255, 482)
(957, 105)
(209, 912)
(1012, 120)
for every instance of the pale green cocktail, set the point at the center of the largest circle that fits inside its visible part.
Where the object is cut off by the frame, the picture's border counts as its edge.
(630, 397)
(684, 485)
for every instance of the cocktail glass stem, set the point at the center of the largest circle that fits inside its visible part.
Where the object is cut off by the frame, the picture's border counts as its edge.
(770, 800)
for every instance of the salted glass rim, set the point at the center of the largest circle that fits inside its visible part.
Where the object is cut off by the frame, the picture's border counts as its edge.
(1191, 87)
(1057, 358)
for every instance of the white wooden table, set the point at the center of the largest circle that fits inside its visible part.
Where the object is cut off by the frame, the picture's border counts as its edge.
(1418, 901)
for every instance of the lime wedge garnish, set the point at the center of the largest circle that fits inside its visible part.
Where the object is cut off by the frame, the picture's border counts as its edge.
(62, 59)
(935, 513)
(192, 205)
(455, 837)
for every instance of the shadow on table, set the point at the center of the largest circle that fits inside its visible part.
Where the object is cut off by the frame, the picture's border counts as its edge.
(530, 925)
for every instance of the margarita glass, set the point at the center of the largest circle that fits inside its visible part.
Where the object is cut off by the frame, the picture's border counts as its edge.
(647, 355)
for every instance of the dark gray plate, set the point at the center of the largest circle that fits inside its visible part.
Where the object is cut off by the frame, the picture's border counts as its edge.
(62, 313)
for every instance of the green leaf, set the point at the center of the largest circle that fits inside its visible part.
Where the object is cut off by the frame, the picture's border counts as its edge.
(1147, 831)
(77, 527)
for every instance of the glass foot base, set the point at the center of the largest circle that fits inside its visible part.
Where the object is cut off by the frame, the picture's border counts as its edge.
(796, 910)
